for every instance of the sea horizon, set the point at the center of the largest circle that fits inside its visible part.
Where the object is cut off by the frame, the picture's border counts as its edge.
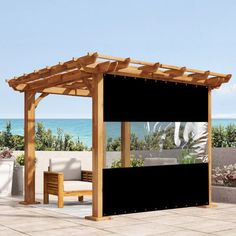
(82, 127)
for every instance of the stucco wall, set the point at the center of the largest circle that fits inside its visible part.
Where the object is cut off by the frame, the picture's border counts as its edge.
(221, 157)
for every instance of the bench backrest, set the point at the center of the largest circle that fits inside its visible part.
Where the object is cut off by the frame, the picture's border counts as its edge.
(71, 167)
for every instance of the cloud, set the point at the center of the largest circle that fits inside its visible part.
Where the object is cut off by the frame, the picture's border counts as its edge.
(227, 89)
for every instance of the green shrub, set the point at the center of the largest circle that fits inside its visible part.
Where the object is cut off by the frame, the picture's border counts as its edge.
(218, 137)
(222, 136)
(134, 162)
(230, 133)
(116, 164)
(20, 159)
(185, 157)
(44, 140)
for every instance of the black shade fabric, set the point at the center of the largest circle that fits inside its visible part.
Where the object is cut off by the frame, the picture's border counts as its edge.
(128, 190)
(130, 99)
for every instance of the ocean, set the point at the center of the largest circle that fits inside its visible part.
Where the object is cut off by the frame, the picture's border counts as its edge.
(82, 128)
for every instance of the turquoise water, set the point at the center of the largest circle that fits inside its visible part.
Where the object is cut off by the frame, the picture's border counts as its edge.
(82, 128)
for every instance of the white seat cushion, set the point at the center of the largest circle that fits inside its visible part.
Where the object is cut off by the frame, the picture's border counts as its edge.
(77, 185)
(71, 167)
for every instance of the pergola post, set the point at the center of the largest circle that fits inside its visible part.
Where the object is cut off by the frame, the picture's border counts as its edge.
(209, 147)
(105, 145)
(125, 144)
(97, 149)
(29, 134)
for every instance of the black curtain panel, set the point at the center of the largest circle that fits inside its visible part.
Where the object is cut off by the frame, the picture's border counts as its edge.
(138, 189)
(130, 99)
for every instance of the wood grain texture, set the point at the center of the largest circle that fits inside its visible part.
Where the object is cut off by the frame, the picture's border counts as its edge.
(98, 145)
(54, 185)
(209, 145)
(29, 134)
(125, 144)
(93, 63)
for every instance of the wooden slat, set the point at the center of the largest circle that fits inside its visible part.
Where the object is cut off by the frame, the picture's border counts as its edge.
(149, 68)
(108, 57)
(103, 67)
(53, 192)
(87, 175)
(113, 66)
(78, 193)
(165, 66)
(119, 66)
(123, 64)
(200, 75)
(50, 71)
(214, 82)
(88, 59)
(57, 80)
(227, 78)
(175, 72)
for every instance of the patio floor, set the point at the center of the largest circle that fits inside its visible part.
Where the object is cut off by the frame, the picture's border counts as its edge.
(16, 219)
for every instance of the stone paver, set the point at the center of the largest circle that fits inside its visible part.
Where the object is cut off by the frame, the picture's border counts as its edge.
(9, 232)
(16, 219)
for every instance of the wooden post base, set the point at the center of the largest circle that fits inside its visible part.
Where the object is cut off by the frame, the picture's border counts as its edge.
(29, 203)
(211, 205)
(94, 218)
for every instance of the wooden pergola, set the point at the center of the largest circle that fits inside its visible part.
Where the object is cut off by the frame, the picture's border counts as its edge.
(83, 76)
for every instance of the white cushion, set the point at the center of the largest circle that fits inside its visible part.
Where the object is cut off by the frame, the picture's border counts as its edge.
(156, 161)
(77, 185)
(71, 167)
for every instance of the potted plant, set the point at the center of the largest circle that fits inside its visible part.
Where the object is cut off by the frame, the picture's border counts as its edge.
(6, 171)
(18, 177)
(224, 184)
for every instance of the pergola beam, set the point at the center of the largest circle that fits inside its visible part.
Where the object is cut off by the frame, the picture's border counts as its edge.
(57, 80)
(66, 91)
(159, 76)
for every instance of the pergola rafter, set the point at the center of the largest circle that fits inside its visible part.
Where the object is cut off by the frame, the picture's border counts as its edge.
(83, 68)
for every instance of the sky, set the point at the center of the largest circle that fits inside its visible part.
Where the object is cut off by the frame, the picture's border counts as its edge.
(33, 34)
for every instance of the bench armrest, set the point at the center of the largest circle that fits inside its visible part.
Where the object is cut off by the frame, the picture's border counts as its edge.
(53, 182)
(87, 175)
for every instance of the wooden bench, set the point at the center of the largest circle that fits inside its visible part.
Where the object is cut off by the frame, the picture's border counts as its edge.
(55, 184)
